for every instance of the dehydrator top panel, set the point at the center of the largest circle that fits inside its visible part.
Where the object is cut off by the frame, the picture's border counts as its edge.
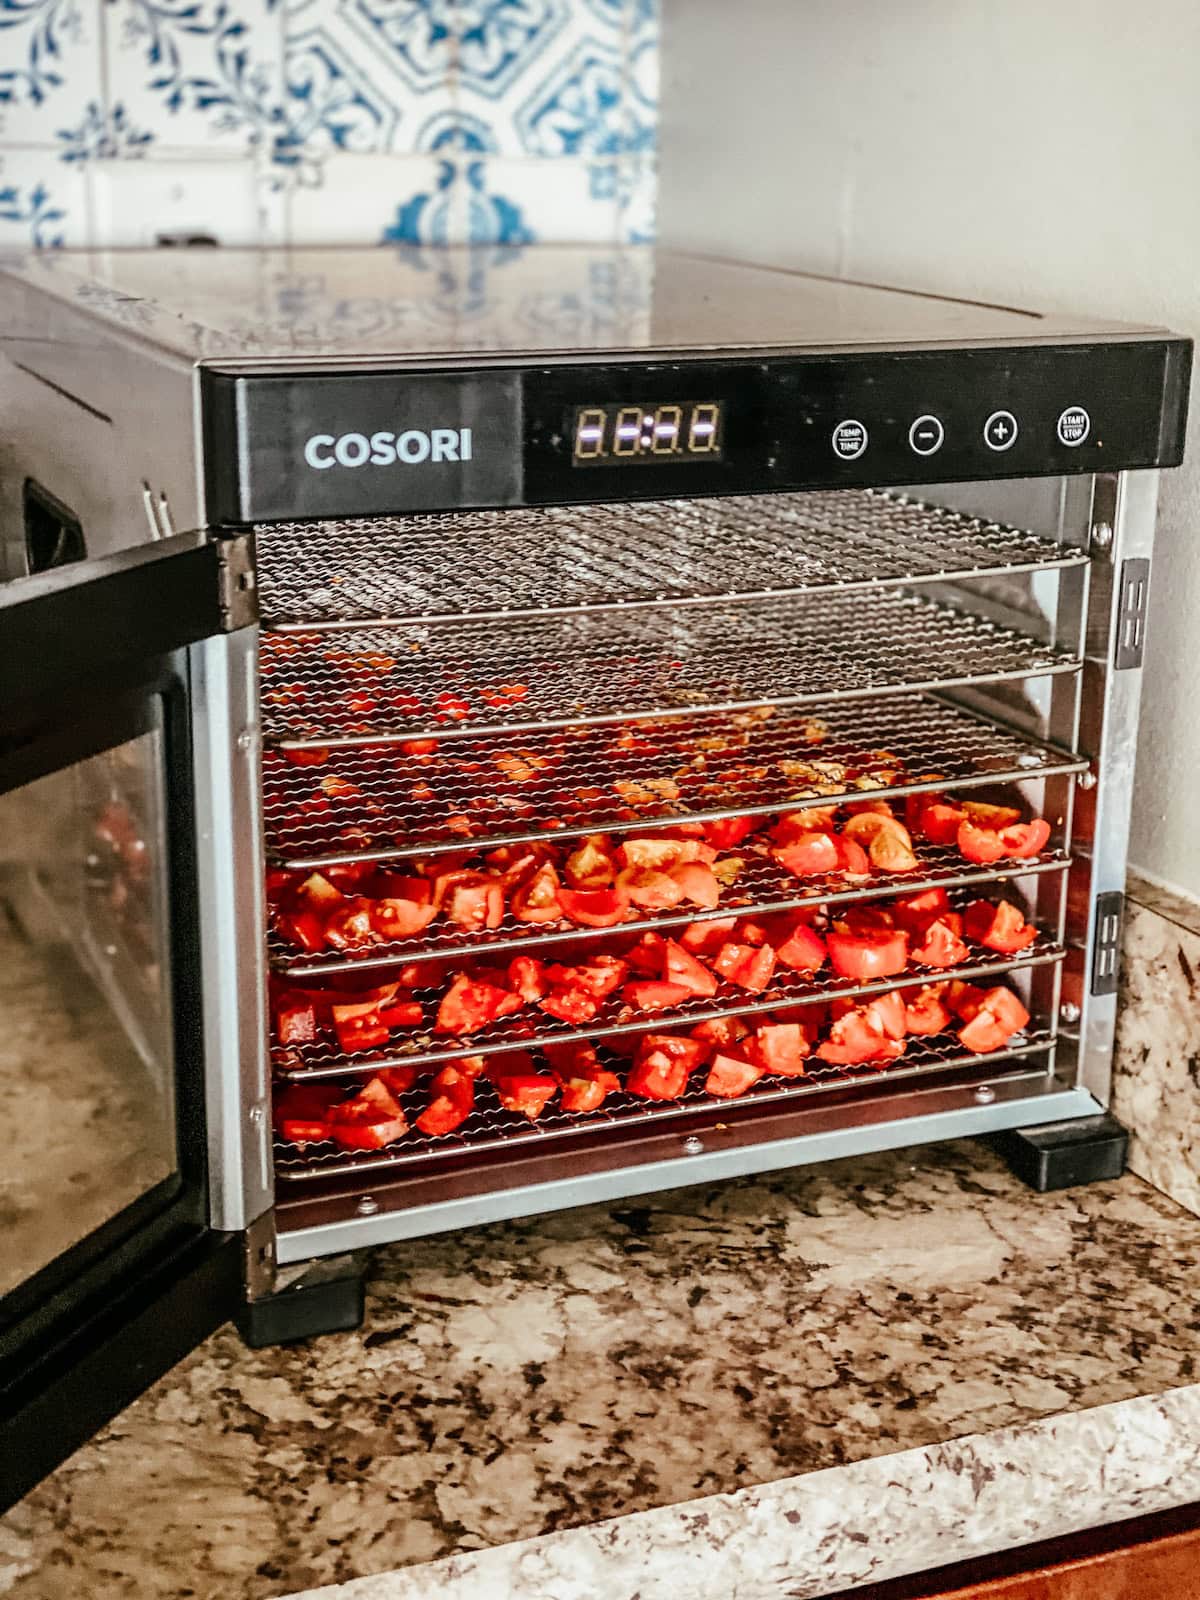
(372, 382)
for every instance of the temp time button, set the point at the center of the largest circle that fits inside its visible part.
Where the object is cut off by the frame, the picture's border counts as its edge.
(1074, 425)
(849, 439)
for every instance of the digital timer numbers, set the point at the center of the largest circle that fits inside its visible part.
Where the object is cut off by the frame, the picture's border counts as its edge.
(683, 431)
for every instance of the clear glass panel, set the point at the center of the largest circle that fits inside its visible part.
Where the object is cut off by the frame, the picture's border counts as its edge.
(86, 1055)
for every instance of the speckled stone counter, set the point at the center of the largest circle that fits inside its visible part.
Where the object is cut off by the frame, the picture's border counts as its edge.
(812, 1358)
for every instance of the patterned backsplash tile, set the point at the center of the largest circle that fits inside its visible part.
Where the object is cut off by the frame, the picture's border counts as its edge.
(326, 121)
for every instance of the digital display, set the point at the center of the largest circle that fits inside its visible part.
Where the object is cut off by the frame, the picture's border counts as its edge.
(681, 430)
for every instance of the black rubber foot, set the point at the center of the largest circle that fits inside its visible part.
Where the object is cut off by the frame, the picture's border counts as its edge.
(335, 1305)
(1059, 1155)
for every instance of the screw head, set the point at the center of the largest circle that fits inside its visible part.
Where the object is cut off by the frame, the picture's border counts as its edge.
(985, 1094)
(1086, 780)
(693, 1146)
(245, 740)
(1069, 1011)
(367, 1206)
(256, 1115)
(1102, 534)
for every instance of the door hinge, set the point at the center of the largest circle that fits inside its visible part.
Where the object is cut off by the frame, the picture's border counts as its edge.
(238, 588)
(1132, 600)
(1106, 945)
(259, 1240)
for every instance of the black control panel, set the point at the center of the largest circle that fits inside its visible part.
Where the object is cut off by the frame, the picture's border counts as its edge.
(365, 443)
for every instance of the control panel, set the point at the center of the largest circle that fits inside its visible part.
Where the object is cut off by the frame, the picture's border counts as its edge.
(370, 442)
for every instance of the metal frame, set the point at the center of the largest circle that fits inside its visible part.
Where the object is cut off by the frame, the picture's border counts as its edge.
(230, 862)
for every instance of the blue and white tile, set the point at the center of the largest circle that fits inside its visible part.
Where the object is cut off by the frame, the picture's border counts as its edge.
(363, 76)
(197, 74)
(356, 199)
(50, 75)
(636, 184)
(43, 202)
(140, 204)
(480, 199)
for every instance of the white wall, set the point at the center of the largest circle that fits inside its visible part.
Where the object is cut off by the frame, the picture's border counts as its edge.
(1024, 152)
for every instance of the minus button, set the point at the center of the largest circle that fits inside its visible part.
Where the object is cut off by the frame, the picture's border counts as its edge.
(926, 435)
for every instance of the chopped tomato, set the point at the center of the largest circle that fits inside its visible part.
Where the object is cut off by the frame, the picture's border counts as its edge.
(401, 1014)
(316, 893)
(538, 898)
(450, 707)
(802, 950)
(706, 938)
(295, 1018)
(361, 1004)
(599, 976)
(941, 944)
(963, 999)
(418, 747)
(591, 865)
(698, 882)
(888, 1011)
(527, 1092)
(360, 1033)
(662, 1064)
(527, 977)
(867, 954)
(405, 913)
(476, 901)
(649, 888)
(399, 1080)
(1000, 927)
(916, 911)
(302, 1131)
(653, 994)
(301, 1112)
(859, 1037)
(682, 968)
(306, 758)
(999, 1016)
(924, 1012)
(573, 1058)
(302, 928)
(726, 832)
(749, 966)
(369, 1120)
(647, 954)
(721, 1032)
(470, 1003)
(939, 820)
(570, 1003)
(852, 859)
(985, 845)
(990, 816)
(808, 853)
(588, 1094)
(731, 1074)
(780, 1048)
(594, 908)
(451, 1099)
(350, 925)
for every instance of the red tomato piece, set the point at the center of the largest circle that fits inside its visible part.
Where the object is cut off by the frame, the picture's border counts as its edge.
(858, 1038)
(662, 1064)
(527, 1092)
(589, 1094)
(941, 944)
(941, 821)
(316, 893)
(398, 1080)
(720, 1032)
(916, 911)
(991, 816)
(598, 977)
(749, 966)
(418, 747)
(401, 1014)
(867, 954)
(653, 994)
(647, 954)
(1000, 927)
(726, 832)
(594, 908)
(369, 1120)
(527, 977)
(649, 888)
(295, 1018)
(369, 1135)
(963, 999)
(538, 898)
(360, 1033)
(999, 1016)
(573, 1058)
(474, 901)
(304, 1106)
(1025, 839)
(349, 927)
(730, 1075)
(402, 916)
(451, 1100)
(807, 854)
(469, 1003)
(780, 1048)
(852, 859)
(699, 883)
(305, 758)
(570, 1004)
(302, 928)
(888, 1011)
(706, 938)
(924, 1012)
(802, 951)
(681, 967)
(591, 866)
(296, 1130)
(450, 707)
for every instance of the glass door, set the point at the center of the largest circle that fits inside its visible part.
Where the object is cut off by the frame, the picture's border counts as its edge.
(109, 1270)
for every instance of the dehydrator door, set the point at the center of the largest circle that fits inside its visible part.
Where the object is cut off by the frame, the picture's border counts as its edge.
(109, 1271)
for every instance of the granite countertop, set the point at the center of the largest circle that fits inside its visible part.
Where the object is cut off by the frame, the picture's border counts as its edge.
(860, 1365)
